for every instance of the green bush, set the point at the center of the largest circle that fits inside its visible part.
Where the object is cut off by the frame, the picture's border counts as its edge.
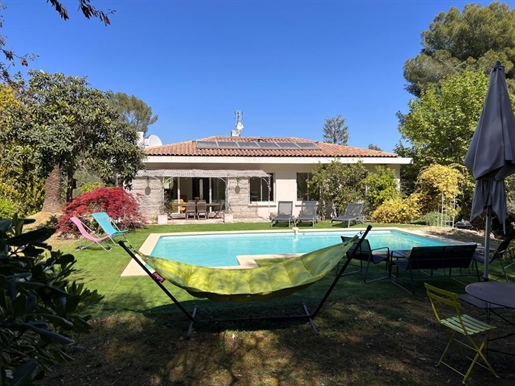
(7, 208)
(41, 311)
(397, 210)
(433, 219)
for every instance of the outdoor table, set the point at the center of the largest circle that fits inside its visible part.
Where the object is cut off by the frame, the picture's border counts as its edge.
(501, 294)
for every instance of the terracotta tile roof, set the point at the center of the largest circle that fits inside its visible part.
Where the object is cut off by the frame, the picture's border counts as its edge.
(189, 148)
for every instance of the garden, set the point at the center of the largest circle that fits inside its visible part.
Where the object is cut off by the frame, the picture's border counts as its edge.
(369, 333)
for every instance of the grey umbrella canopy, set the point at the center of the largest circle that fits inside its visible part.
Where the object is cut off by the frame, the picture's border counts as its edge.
(491, 155)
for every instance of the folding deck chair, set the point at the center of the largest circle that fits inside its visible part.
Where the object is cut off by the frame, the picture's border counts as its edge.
(498, 255)
(447, 310)
(108, 226)
(83, 229)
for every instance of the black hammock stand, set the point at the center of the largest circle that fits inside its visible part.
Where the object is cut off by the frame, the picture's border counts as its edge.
(308, 316)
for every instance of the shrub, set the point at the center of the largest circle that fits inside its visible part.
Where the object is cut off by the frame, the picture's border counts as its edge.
(434, 219)
(41, 311)
(382, 186)
(120, 205)
(397, 210)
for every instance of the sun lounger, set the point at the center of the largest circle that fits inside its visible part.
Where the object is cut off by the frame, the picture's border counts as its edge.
(308, 213)
(352, 213)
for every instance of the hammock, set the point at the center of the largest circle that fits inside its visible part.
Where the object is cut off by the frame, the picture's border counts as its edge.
(278, 279)
(243, 285)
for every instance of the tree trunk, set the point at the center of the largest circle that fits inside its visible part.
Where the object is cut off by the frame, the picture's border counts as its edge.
(52, 202)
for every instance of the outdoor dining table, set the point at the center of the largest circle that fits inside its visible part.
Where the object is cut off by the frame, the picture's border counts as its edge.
(501, 294)
(498, 293)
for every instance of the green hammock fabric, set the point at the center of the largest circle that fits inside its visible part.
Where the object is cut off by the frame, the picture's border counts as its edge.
(250, 284)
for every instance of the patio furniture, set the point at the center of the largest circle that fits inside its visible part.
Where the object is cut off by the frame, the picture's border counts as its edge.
(177, 206)
(433, 262)
(191, 210)
(353, 212)
(457, 325)
(284, 213)
(202, 210)
(278, 279)
(87, 234)
(365, 253)
(108, 225)
(308, 213)
(498, 255)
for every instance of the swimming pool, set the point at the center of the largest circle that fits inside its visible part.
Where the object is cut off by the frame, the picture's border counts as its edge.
(225, 249)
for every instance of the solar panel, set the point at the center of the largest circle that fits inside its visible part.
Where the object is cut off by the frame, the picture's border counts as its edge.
(287, 145)
(268, 145)
(308, 145)
(228, 145)
(207, 145)
(248, 145)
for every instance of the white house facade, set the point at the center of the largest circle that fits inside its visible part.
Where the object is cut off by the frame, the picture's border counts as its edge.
(245, 176)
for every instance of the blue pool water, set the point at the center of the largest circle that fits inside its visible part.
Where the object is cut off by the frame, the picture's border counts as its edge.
(218, 250)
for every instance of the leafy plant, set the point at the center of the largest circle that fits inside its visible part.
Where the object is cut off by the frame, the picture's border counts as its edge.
(338, 184)
(41, 311)
(120, 205)
(434, 219)
(382, 186)
(398, 210)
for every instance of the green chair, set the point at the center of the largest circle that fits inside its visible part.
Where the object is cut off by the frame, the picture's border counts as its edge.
(473, 332)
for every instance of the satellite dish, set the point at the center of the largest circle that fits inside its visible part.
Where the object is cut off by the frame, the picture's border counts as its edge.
(239, 126)
(154, 140)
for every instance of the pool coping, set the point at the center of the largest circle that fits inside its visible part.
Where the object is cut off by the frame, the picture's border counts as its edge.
(247, 261)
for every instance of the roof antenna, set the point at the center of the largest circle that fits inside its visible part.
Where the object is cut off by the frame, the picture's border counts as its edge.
(238, 117)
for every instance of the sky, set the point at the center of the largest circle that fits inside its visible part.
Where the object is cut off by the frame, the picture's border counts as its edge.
(286, 64)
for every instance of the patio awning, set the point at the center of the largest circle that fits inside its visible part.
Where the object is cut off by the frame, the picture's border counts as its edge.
(200, 173)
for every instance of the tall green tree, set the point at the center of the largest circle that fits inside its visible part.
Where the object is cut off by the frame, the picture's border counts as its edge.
(335, 131)
(440, 123)
(338, 184)
(475, 38)
(21, 189)
(133, 111)
(70, 126)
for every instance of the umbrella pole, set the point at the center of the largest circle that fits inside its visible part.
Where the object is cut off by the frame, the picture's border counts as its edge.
(488, 227)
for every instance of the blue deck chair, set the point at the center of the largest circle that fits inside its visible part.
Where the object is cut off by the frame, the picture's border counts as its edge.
(108, 226)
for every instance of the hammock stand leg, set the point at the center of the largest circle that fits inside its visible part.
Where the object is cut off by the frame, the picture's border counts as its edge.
(310, 316)
(158, 279)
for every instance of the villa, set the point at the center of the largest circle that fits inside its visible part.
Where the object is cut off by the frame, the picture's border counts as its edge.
(247, 176)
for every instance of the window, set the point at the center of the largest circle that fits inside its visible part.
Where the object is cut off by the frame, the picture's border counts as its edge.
(259, 189)
(303, 193)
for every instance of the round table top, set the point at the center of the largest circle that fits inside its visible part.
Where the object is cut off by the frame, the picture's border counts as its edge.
(502, 294)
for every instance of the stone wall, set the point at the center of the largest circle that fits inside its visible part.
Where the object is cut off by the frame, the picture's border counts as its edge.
(150, 196)
(238, 197)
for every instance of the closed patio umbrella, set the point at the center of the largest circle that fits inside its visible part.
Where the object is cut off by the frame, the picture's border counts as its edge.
(491, 155)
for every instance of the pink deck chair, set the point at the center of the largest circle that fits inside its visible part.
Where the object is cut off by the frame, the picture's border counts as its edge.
(83, 229)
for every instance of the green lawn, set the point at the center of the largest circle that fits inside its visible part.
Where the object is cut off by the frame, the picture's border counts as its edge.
(370, 334)
(102, 270)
